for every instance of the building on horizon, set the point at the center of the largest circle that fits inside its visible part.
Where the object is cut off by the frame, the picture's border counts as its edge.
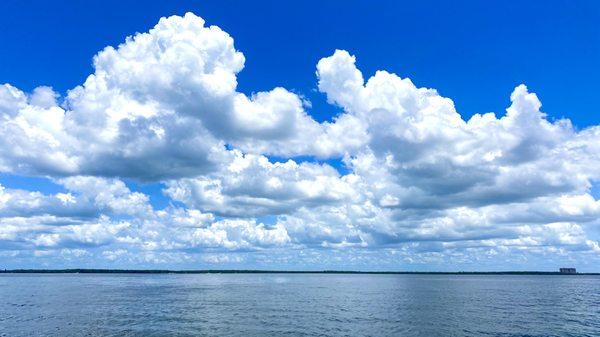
(568, 271)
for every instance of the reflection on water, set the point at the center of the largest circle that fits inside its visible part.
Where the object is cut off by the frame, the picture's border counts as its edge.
(298, 305)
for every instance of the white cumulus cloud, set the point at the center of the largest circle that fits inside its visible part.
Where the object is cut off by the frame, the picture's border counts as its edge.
(420, 183)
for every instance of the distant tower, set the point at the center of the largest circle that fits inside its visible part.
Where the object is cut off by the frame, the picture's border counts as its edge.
(568, 271)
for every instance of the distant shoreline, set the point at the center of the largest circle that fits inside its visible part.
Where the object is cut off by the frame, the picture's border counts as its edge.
(234, 271)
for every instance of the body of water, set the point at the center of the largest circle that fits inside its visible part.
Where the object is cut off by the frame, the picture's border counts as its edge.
(68, 305)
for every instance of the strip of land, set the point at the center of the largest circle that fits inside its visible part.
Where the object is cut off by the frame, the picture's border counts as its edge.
(241, 271)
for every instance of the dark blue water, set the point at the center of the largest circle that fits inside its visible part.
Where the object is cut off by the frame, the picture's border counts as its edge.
(298, 305)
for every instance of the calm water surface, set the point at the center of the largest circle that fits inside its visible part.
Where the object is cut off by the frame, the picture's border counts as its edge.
(298, 305)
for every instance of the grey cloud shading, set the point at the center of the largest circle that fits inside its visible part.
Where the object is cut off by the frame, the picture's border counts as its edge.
(423, 185)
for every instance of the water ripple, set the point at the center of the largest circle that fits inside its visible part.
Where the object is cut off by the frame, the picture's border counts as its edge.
(299, 305)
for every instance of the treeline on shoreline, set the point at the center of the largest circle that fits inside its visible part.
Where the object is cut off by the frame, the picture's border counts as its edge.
(243, 271)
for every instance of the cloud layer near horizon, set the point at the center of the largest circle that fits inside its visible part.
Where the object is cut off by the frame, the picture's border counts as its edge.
(422, 185)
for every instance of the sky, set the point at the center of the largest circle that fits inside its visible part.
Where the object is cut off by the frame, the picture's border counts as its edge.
(300, 135)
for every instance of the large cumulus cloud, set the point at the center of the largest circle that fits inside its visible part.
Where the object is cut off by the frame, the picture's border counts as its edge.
(162, 104)
(421, 183)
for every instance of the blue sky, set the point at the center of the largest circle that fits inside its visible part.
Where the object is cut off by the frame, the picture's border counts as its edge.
(471, 51)
(434, 204)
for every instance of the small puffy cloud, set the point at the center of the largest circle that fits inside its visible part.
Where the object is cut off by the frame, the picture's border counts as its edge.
(340, 79)
(251, 185)
(239, 234)
(106, 194)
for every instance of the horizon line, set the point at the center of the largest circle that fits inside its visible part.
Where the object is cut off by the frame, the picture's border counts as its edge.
(266, 271)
